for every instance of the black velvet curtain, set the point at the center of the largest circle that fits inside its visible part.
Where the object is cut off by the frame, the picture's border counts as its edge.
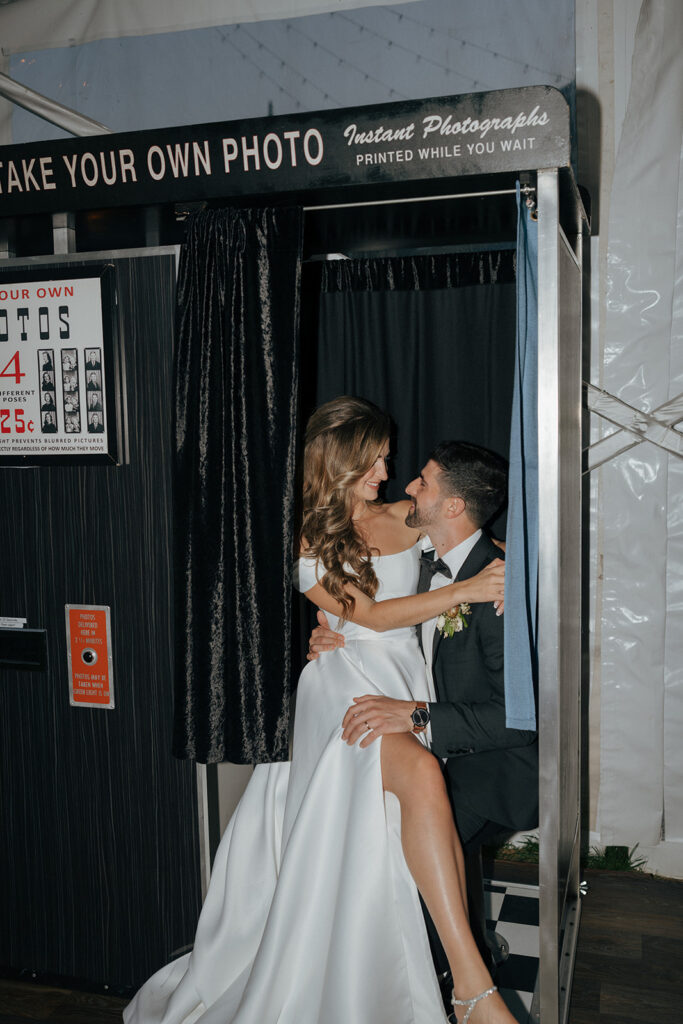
(429, 338)
(236, 389)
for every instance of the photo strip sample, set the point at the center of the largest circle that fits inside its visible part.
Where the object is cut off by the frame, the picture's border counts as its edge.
(94, 390)
(48, 401)
(71, 390)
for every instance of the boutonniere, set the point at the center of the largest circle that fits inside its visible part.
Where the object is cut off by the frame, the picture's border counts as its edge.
(454, 620)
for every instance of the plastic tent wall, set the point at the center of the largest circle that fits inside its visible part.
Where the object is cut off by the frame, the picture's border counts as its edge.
(637, 496)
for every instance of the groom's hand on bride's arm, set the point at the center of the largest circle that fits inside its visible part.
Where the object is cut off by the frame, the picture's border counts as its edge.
(323, 638)
(499, 605)
(371, 717)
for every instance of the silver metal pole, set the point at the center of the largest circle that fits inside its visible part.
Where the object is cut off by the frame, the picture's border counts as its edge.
(548, 587)
(50, 110)
(63, 233)
(559, 599)
(413, 199)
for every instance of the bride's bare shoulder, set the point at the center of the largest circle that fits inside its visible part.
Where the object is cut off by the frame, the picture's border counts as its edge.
(398, 509)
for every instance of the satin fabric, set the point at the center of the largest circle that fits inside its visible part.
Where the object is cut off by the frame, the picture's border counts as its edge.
(312, 916)
(236, 392)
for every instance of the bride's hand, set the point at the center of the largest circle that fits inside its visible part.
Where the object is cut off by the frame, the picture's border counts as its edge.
(487, 585)
(323, 638)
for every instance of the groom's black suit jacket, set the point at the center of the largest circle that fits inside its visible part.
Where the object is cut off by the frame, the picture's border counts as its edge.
(492, 771)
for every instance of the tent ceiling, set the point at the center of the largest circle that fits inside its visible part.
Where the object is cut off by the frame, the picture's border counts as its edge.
(43, 24)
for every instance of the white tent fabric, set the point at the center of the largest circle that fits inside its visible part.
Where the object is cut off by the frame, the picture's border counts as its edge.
(41, 24)
(641, 491)
(341, 57)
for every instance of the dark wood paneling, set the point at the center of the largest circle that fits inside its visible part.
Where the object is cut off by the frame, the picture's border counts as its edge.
(100, 873)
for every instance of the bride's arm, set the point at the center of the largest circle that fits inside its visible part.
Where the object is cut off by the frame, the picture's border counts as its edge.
(396, 612)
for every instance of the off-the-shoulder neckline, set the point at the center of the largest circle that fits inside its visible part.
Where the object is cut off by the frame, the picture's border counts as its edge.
(392, 554)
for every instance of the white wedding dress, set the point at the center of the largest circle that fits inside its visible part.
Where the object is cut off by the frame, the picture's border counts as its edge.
(311, 915)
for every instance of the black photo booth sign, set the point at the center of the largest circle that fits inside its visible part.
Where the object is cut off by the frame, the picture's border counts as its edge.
(57, 365)
(404, 143)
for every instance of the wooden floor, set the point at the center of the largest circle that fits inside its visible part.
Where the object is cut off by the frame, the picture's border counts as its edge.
(23, 1002)
(629, 965)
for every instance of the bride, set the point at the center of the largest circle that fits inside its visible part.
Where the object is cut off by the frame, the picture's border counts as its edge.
(313, 914)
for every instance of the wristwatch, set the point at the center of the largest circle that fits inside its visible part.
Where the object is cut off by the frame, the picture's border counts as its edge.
(420, 717)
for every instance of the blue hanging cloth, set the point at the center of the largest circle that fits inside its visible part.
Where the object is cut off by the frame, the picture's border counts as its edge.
(521, 556)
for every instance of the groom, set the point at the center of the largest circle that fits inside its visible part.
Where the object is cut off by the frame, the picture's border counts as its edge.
(491, 771)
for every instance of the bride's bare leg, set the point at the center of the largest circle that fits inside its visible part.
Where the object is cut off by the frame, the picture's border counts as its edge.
(434, 856)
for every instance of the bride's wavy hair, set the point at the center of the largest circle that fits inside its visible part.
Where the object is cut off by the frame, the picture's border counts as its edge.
(342, 443)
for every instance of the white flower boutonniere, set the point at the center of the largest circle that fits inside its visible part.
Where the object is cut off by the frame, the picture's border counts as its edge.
(454, 620)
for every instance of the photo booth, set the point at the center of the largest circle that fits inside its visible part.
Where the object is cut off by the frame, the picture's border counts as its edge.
(428, 255)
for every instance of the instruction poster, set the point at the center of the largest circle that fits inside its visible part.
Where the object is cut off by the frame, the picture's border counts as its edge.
(52, 368)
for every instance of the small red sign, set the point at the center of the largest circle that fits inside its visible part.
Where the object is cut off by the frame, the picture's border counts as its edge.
(88, 633)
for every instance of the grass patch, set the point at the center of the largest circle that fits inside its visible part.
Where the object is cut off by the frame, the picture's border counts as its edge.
(525, 853)
(608, 858)
(614, 858)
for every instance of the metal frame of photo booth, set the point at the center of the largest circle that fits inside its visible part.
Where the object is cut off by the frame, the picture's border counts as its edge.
(560, 334)
(562, 232)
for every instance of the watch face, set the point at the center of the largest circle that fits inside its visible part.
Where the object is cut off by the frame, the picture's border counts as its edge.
(420, 716)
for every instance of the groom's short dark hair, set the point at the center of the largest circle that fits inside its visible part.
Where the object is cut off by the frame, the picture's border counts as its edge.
(475, 474)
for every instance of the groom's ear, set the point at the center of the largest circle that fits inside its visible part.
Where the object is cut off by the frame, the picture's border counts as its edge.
(454, 507)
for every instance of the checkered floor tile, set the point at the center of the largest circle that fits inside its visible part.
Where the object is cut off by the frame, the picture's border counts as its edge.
(512, 912)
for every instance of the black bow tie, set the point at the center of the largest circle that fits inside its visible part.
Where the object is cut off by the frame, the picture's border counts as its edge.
(432, 566)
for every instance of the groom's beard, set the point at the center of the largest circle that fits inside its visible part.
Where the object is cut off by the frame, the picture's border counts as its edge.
(420, 517)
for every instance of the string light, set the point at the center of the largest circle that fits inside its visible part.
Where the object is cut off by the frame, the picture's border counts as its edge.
(525, 65)
(278, 57)
(344, 60)
(262, 73)
(400, 46)
(391, 44)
